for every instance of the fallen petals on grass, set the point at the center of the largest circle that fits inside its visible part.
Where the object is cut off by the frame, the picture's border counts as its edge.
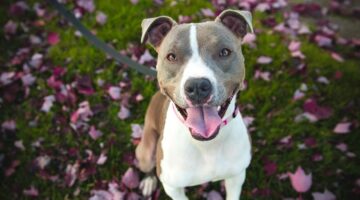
(101, 18)
(137, 131)
(9, 125)
(31, 192)
(320, 112)
(48, 103)
(95, 134)
(342, 147)
(264, 60)
(213, 195)
(300, 181)
(53, 38)
(131, 179)
(326, 195)
(114, 92)
(342, 128)
(102, 159)
(124, 113)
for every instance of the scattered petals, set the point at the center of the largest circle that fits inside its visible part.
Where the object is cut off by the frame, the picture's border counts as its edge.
(214, 195)
(32, 192)
(327, 195)
(9, 125)
(263, 75)
(102, 159)
(124, 113)
(137, 131)
(114, 92)
(19, 144)
(131, 179)
(264, 60)
(300, 181)
(95, 134)
(48, 103)
(342, 147)
(101, 18)
(53, 38)
(342, 128)
(207, 12)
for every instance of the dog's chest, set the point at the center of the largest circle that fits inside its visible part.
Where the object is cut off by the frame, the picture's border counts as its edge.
(188, 162)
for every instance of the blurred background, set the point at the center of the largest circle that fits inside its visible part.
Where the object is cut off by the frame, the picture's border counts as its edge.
(71, 117)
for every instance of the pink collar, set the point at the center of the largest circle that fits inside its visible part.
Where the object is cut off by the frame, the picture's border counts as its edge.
(225, 121)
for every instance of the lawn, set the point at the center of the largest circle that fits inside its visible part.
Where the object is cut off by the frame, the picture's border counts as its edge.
(71, 116)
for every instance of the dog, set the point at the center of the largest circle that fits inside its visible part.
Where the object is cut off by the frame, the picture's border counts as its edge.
(193, 131)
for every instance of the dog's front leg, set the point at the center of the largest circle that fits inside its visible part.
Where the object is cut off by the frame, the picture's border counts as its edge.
(175, 193)
(233, 186)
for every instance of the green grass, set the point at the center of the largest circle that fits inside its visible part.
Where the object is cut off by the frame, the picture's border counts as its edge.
(122, 28)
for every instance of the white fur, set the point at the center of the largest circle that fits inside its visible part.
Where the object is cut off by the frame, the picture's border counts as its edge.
(196, 67)
(189, 162)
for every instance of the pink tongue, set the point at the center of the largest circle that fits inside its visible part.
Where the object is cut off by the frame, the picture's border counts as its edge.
(203, 120)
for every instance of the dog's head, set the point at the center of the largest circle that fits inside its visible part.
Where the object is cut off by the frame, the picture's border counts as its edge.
(200, 66)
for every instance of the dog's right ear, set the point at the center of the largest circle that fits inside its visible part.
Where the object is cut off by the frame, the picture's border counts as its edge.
(155, 29)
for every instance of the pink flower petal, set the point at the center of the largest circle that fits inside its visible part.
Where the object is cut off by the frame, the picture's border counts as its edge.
(249, 39)
(264, 60)
(10, 27)
(137, 131)
(53, 38)
(294, 46)
(342, 128)
(146, 57)
(95, 134)
(32, 191)
(321, 112)
(270, 168)
(248, 120)
(207, 12)
(43, 161)
(134, 1)
(101, 18)
(114, 92)
(6, 77)
(327, 195)
(300, 181)
(19, 144)
(28, 79)
(9, 125)
(102, 159)
(298, 95)
(48, 103)
(124, 113)
(214, 195)
(323, 41)
(263, 75)
(131, 179)
(87, 5)
(337, 57)
(83, 113)
(342, 147)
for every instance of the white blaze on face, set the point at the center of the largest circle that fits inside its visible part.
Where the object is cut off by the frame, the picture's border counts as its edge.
(196, 67)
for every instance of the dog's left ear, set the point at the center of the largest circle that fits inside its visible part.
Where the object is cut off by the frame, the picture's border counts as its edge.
(155, 29)
(239, 22)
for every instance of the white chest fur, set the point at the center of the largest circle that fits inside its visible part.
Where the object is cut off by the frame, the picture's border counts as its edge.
(188, 162)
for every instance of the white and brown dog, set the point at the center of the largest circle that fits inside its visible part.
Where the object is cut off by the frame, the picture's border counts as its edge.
(193, 130)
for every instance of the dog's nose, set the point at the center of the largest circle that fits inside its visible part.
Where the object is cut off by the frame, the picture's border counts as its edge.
(198, 90)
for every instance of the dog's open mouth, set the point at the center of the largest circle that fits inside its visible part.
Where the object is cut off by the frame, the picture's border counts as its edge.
(204, 121)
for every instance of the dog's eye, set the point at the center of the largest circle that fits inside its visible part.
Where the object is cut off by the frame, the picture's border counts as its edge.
(224, 52)
(171, 57)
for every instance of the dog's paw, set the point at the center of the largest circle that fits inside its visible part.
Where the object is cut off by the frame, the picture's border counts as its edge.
(148, 185)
